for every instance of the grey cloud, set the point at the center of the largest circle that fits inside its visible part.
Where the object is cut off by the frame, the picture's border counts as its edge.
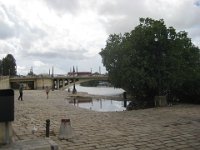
(121, 15)
(195, 32)
(61, 59)
(30, 36)
(37, 32)
(19, 29)
(197, 3)
(6, 49)
(6, 31)
(185, 16)
(121, 7)
(61, 53)
(9, 13)
(71, 6)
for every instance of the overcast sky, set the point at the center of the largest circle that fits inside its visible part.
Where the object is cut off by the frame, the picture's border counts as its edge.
(67, 33)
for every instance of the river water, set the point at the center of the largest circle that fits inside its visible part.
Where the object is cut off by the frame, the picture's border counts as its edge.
(105, 91)
(102, 105)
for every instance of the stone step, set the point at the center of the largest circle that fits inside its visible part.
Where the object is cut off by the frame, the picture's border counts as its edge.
(38, 144)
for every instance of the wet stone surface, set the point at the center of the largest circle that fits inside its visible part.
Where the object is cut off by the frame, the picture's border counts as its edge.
(176, 127)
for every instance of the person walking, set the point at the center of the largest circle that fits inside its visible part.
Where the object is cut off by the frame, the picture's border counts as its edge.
(47, 91)
(20, 92)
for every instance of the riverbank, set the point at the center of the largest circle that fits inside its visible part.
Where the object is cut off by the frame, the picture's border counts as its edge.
(176, 127)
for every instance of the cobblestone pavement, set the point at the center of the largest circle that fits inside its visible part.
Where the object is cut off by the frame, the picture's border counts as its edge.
(176, 127)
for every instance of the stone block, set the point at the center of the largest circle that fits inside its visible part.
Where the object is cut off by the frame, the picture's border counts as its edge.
(5, 133)
(160, 101)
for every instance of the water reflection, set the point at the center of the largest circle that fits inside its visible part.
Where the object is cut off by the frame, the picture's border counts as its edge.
(102, 105)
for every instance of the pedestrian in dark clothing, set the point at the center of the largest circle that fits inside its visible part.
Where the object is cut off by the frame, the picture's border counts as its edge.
(20, 92)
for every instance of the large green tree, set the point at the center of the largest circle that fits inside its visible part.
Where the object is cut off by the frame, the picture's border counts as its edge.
(8, 65)
(151, 59)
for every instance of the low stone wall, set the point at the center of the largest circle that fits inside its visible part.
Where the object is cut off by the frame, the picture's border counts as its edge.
(4, 82)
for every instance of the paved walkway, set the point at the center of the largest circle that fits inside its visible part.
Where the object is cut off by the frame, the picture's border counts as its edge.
(166, 128)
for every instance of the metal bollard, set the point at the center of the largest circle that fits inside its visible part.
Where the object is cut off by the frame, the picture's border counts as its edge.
(47, 127)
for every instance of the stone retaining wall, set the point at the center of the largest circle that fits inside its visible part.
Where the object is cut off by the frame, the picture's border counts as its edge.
(4, 82)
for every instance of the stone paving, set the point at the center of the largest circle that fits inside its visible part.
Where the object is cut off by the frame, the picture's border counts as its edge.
(167, 128)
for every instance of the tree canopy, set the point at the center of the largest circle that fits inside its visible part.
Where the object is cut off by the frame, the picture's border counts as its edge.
(8, 66)
(152, 59)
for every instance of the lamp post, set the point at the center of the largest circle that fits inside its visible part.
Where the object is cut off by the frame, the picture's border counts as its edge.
(42, 82)
(74, 87)
(16, 70)
(2, 69)
(158, 58)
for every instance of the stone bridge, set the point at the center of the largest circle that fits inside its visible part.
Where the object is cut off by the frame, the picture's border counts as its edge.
(57, 82)
(67, 81)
